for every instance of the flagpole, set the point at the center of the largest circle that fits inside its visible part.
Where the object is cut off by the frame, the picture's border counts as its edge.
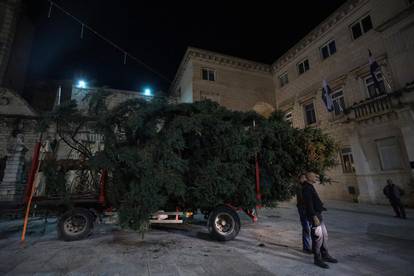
(375, 67)
(385, 78)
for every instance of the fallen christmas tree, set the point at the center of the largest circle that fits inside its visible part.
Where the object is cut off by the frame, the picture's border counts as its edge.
(191, 156)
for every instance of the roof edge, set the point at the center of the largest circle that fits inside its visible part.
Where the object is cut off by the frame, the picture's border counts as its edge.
(316, 32)
(240, 63)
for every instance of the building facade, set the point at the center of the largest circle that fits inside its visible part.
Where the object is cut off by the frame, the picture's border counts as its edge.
(374, 127)
(19, 134)
(373, 124)
(235, 83)
(17, 118)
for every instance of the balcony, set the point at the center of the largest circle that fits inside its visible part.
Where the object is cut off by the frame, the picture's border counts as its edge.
(380, 105)
(373, 107)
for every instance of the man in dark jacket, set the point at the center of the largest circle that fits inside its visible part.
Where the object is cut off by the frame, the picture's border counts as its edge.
(394, 193)
(313, 209)
(306, 225)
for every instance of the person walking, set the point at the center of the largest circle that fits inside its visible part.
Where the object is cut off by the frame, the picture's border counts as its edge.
(306, 225)
(394, 193)
(313, 209)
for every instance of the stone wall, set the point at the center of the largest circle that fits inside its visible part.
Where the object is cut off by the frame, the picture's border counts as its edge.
(235, 89)
(15, 166)
(17, 119)
(238, 85)
(391, 43)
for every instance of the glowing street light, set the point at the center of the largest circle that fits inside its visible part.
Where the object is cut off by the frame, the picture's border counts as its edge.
(147, 92)
(81, 84)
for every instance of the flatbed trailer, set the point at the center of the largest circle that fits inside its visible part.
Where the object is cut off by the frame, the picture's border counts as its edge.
(77, 219)
(76, 222)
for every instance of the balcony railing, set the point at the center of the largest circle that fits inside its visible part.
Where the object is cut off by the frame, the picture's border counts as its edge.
(375, 106)
(380, 105)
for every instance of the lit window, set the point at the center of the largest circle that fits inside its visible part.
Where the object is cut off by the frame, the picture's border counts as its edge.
(338, 101)
(389, 153)
(303, 66)
(347, 160)
(310, 115)
(283, 79)
(361, 27)
(370, 85)
(328, 49)
(208, 74)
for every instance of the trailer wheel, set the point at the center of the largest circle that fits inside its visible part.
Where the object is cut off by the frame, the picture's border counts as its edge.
(75, 224)
(224, 223)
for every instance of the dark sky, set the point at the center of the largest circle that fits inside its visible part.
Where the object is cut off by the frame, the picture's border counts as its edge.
(158, 32)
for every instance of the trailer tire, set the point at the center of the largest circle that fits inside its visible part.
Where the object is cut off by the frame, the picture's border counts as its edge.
(75, 224)
(223, 223)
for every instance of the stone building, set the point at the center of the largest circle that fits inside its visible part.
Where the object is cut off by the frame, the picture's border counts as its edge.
(17, 117)
(19, 134)
(373, 126)
(235, 83)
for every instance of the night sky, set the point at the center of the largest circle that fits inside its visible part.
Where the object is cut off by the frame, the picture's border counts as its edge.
(158, 33)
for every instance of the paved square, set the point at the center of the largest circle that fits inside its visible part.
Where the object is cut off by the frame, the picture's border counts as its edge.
(367, 240)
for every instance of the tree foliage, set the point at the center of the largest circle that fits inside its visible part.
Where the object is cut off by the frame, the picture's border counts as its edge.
(192, 156)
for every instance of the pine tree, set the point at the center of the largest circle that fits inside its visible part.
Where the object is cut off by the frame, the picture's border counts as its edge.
(192, 156)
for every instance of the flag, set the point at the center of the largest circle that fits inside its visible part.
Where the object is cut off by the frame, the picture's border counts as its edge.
(326, 96)
(373, 68)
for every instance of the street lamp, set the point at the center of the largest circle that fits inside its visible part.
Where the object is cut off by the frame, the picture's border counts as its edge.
(81, 84)
(147, 92)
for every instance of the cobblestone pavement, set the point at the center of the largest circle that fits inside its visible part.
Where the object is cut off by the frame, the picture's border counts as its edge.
(367, 240)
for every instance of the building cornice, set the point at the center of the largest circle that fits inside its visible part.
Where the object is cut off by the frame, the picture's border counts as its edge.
(317, 32)
(218, 59)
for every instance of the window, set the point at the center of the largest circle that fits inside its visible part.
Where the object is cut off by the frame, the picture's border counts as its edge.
(366, 24)
(389, 153)
(328, 49)
(372, 90)
(361, 27)
(289, 116)
(338, 101)
(208, 74)
(303, 66)
(310, 115)
(347, 160)
(283, 79)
